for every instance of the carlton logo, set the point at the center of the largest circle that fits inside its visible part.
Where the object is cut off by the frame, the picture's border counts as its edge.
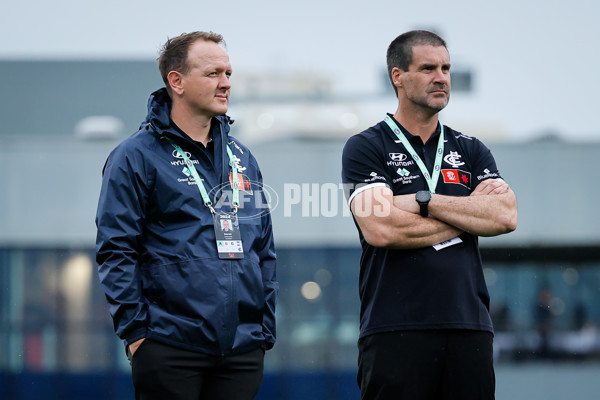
(454, 159)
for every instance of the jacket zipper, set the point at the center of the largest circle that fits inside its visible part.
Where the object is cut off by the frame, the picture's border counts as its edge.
(229, 317)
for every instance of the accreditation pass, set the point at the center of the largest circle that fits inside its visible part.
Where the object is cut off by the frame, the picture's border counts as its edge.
(229, 239)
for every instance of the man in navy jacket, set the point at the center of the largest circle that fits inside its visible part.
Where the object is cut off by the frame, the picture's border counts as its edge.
(194, 305)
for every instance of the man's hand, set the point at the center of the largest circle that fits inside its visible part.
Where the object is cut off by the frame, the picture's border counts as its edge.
(490, 210)
(134, 346)
(490, 186)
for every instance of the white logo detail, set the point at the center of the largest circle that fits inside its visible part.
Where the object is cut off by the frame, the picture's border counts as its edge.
(177, 155)
(236, 162)
(398, 156)
(487, 174)
(454, 159)
(374, 177)
(236, 146)
(450, 175)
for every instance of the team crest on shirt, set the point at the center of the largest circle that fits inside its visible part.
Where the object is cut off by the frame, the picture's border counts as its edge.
(454, 159)
(236, 162)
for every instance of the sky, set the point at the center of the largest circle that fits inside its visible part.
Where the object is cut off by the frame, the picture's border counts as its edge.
(533, 62)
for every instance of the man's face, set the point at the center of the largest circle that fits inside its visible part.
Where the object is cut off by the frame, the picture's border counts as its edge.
(427, 81)
(206, 85)
(226, 225)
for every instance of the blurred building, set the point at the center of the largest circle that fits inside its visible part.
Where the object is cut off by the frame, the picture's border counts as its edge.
(59, 127)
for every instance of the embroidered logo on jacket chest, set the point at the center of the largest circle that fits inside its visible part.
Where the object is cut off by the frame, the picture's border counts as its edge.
(180, 162)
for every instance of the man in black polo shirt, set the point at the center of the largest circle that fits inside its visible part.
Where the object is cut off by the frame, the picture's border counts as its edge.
(421, 194)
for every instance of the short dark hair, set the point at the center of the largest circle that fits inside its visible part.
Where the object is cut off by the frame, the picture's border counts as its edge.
(399, 53)
(173, 54)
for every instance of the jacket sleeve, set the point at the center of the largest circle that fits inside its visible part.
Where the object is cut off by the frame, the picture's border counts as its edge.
(268, 263)
(119, 219)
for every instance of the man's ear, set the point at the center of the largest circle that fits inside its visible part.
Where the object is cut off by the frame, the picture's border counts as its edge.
(176, 82)
(396, 76)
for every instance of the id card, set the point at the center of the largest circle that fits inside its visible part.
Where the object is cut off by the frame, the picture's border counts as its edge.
(229, 238)
(447, 243)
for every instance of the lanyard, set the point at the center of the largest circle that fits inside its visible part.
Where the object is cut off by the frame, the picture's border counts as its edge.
(205, 198)
(431, 179)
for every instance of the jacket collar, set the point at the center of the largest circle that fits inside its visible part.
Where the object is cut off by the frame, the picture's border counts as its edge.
(159, 111)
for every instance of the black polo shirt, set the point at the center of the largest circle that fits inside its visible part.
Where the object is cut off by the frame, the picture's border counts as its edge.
(209, 149)
(419, 288)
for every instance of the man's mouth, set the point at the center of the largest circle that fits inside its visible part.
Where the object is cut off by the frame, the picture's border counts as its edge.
(438, 91)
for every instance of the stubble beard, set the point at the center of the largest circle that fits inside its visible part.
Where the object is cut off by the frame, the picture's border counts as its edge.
(431, 106)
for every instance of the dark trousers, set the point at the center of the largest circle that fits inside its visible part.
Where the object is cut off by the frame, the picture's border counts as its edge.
(427, 365)
(162, 372)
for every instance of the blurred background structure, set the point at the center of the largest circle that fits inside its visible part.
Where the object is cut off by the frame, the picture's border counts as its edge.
(302, 84)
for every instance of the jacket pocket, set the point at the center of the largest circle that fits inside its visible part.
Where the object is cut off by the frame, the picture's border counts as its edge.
(187, 287)
(249, 290)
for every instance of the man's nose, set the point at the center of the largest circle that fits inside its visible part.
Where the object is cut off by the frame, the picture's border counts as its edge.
(224, 81)
(442, 75)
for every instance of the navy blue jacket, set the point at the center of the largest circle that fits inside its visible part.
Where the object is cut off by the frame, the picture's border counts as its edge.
(156, 249)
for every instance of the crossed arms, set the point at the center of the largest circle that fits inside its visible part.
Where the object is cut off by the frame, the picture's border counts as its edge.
(386, 220)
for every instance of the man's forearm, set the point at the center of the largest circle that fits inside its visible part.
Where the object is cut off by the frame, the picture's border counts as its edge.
(386, 225)
(484, 215)
(490, 210)
(423, 232)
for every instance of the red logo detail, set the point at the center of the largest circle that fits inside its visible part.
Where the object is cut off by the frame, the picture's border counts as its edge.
(457, 176)
(451, 176)
(243, 182)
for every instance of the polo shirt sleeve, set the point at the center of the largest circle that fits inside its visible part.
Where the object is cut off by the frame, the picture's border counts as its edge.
(363, 167)
(484, 165)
